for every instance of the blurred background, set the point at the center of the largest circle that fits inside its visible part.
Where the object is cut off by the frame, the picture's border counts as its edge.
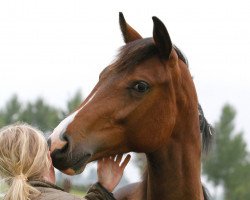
(51, 53)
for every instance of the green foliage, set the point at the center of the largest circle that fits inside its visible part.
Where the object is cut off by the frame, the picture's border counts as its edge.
(228, 163)
(37, 113)
(78, 192)
(11, 111)
(74, 102)
(41, 115)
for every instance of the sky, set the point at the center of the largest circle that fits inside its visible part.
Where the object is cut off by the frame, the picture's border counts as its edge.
(52, 48)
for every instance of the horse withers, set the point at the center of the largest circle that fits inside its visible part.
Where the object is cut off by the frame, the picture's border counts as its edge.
(145, 101)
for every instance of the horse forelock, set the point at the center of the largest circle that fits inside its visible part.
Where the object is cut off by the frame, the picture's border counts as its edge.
(135, 52)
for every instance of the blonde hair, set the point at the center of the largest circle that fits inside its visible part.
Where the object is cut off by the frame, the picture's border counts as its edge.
(23, 157)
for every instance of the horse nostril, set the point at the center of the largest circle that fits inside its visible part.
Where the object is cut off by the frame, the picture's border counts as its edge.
(65, 148)
(65, 139)
(49, 142)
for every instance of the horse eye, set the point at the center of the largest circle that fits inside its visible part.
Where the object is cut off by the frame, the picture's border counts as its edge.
(141, 86)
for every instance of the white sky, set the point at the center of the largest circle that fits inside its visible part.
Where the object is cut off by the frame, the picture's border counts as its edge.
(51, 48)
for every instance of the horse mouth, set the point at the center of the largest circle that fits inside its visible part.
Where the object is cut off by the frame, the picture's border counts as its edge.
(80, 165)
(69, 165)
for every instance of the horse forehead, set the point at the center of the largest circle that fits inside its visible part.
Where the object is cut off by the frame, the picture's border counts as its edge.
(151, 69)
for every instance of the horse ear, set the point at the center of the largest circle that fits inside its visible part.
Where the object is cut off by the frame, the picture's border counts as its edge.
(129, 34)
(162, 38)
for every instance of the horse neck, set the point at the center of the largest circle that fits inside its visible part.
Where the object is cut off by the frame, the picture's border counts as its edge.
(173, 171)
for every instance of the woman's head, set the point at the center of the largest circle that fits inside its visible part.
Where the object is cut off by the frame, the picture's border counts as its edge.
(23, 156)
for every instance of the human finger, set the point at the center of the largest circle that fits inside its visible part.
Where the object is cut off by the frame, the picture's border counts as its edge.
(112, 158)
(99, 164)
(125, 162)
(118, 158)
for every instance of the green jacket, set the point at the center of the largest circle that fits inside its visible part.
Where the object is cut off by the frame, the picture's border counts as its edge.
(50, 191)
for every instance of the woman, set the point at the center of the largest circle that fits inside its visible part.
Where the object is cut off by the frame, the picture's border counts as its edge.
(26, 167)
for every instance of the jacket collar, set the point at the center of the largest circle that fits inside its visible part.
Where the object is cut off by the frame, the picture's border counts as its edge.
(43, 183)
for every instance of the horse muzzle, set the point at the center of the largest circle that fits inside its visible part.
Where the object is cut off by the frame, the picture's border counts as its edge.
(67, 159)
(70, 163)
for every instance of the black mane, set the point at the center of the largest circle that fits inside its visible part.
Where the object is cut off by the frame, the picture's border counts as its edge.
(206, 130)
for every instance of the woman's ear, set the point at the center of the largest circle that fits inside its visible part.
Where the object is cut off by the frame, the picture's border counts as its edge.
(50, 175)
(49, 157)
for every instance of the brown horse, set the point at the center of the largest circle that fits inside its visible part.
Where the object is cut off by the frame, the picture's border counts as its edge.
(145, 101)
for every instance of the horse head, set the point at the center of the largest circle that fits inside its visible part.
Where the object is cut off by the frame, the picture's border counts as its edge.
(137, 102)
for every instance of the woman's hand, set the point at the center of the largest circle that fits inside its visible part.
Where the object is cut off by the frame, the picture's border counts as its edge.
(110, 171)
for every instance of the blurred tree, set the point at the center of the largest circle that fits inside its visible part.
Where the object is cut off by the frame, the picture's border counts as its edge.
(239, 183)
(37, 113)
(74, 102)
(228, 161)
(41, 115)
(11, 111)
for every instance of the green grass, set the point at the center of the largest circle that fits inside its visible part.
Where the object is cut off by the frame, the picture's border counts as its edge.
(78, 192)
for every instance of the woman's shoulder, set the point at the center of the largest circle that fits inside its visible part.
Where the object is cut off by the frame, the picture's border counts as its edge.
(51, 192)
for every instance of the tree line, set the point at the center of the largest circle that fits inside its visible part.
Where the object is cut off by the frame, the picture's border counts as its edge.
(226, 165)
(38, 112)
